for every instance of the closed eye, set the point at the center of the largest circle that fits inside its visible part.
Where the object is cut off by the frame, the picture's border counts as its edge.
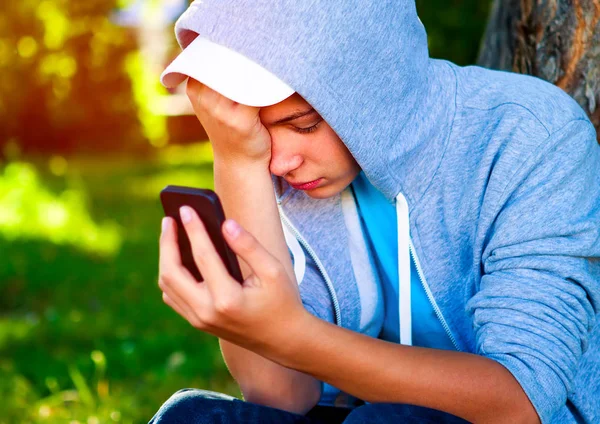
(307, 129)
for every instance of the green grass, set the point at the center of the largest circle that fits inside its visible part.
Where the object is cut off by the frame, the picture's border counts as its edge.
(84, 335)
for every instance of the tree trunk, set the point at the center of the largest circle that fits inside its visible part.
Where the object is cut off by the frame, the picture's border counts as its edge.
(557, 40)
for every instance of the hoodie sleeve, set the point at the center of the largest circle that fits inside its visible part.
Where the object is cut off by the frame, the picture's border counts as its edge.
(539, 294)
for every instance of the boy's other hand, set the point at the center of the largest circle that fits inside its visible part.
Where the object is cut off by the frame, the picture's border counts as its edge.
(235, 130)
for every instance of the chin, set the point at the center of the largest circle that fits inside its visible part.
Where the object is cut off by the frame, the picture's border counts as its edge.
(324, 192)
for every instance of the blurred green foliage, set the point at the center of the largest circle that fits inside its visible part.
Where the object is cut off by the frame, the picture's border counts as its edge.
(147, 91)
(64, 87)
(29, 210)
(454, 27)
(85, 336)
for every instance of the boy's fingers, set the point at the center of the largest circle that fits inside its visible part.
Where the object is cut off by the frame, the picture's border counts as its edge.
(205, 255)
(169, 260)
(175, 306)
(245, 245)
(176, 279)
(168, 289)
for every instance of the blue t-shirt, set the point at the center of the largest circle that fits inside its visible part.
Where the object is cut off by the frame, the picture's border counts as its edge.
(378, 218)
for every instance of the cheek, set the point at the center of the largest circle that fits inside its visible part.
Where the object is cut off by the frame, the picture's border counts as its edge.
(335, 151)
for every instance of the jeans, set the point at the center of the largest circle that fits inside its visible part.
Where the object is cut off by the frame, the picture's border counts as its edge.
(194, 406)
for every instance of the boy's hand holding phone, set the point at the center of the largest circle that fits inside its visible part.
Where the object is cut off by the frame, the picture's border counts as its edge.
(258, 314)
(235, 130)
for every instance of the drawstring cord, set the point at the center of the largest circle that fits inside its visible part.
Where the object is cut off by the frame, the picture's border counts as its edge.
(404, 295)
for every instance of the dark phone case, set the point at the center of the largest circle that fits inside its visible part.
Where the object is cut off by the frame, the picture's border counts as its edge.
(207, 205)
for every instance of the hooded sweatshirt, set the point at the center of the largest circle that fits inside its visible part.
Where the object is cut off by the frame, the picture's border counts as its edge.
(494, 176)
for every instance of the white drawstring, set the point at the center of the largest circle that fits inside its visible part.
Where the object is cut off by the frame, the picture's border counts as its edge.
(297, 254)
(404, 295)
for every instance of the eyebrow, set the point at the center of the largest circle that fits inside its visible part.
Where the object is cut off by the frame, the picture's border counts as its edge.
(295, 115)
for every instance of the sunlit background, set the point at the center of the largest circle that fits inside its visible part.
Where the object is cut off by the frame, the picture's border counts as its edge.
(88, 138)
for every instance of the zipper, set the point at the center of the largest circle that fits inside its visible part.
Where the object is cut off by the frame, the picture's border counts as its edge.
(311, 252)
(402, 212)
(436, 308)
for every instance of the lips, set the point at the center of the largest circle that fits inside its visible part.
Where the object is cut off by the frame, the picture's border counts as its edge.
(306, 186)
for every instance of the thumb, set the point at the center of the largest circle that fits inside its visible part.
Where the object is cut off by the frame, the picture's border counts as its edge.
(264, 265)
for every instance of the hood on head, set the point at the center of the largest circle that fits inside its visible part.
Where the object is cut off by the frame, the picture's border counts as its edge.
(364, 66)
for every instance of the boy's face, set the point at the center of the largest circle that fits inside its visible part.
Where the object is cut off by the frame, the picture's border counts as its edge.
(305, 149)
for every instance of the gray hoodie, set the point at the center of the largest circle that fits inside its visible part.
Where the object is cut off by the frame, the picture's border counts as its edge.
(499, 173)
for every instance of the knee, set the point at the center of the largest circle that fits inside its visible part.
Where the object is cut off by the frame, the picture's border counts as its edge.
(186, 404)
(395, 412)
(377, 413)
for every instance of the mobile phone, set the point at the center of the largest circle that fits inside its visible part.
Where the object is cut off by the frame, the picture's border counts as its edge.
(207, 205)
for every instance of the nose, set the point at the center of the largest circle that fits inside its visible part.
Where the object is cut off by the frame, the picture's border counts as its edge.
(285, 158)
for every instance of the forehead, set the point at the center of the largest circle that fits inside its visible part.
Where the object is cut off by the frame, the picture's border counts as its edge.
(294, 103)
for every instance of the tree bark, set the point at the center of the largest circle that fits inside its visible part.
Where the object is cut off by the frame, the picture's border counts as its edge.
(556, 40)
